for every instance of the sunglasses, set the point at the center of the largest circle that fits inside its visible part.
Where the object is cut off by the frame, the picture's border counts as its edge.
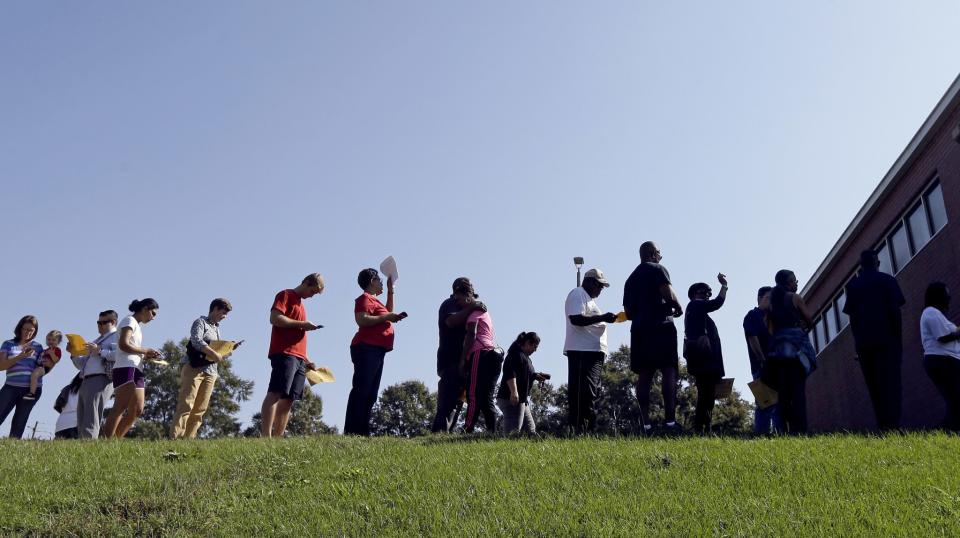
(108, 322)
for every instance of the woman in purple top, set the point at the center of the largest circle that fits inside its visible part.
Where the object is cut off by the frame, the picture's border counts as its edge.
(480, 364)
(19, 357)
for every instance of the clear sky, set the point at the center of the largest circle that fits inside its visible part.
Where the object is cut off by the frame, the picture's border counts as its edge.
(189, 150)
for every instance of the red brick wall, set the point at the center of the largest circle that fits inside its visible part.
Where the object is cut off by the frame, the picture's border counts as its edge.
(836, 395)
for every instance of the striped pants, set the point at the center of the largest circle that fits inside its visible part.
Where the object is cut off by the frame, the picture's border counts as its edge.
(484, 368)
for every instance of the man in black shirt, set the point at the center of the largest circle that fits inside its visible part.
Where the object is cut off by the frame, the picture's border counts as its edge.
(651, 304)
(873, 303)
(757, 333)
(452, 324)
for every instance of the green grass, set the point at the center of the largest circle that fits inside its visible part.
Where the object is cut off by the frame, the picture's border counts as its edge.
(332, 486)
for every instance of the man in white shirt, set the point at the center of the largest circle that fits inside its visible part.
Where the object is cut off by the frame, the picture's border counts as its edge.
(96, 386)
(585, 348)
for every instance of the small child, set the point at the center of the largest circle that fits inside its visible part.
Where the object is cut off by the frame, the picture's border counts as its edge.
(48, 358)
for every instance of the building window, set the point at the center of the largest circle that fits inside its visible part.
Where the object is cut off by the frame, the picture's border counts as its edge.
(919, 229)
(900, 246)
(830, 321)
(840, 303)
(813, 341)
(938, 212)
(822, 334)
(886, 262)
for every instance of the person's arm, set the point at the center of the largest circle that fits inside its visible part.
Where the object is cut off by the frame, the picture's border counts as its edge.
(468, 341)
(125, 343)
(582, 321)
(458, 319)
(949, 337)
(197, 331)
(6, 360)
(803, 309)
(389, 304)
(369, 320)
(756, 350)
(670, 297)
(514, 394)
(280, 321)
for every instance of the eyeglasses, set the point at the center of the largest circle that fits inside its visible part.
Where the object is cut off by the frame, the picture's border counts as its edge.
(108, 322)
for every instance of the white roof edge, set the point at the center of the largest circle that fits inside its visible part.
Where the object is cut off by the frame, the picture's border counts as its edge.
(898, 167)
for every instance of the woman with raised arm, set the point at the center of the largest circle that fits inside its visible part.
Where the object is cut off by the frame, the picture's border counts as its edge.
(701, 348)
(128, 376)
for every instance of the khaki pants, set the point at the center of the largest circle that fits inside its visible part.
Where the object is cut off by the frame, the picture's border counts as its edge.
(195, 390)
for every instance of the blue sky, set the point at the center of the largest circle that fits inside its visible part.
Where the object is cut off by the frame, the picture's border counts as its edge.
(185, 151)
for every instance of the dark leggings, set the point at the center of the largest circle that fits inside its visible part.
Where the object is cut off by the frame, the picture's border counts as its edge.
(668, 387)
(706, 396)
(12, 397)
(367, 369)
(789, 379)
(484, 371)
(945, 373)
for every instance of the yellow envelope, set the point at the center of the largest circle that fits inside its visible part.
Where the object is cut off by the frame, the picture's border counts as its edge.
(621, 317)
(764, 395)
(76, 345)
(321, 375)
(724, 388)
(159, 362)
(223, 346)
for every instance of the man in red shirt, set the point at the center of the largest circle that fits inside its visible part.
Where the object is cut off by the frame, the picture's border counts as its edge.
(288, 354)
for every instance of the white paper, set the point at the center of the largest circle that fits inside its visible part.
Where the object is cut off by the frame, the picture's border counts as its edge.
(389, 268)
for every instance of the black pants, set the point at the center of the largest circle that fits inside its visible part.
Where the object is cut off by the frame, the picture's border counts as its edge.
(789, 379)
(367, 369)
(583, 384)
(484, 369)
(706, 397)
(448, 396)
(881, 372)
(945, 373)
(69, 433)
(12, 397)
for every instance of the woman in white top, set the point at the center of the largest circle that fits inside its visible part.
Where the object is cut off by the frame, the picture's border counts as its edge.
(941, 350)
(66, 405)
(128, 377)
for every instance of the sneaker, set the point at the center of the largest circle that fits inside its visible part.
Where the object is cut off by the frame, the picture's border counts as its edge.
(30, 397)
(672, 430)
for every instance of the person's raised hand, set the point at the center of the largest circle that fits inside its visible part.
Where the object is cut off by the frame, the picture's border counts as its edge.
(390, 283)
(722, 278)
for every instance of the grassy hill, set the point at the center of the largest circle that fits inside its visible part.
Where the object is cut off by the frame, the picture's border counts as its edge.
(331, 486)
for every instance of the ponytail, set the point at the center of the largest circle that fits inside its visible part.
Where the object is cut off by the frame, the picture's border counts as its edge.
(139, 304)
(523, 338)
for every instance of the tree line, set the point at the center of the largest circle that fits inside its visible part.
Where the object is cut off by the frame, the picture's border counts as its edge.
(406, 409)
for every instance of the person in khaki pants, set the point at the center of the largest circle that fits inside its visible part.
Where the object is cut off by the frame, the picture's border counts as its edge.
(198, 371)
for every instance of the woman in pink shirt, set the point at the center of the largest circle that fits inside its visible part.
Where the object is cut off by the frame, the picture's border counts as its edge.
(480, 364)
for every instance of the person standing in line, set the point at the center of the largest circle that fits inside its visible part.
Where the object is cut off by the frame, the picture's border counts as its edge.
(702, 348)
(513, 398)
(941, 350)
(757, 333)
(651, 304)
(873, 302)
(66, 405)
(198, 371)
(791, 357)
(585, 347)
(374, 339)
(452, 321)
(19, 357)
(288, 354)
(96, 370)
(128, 377)
(480, 363)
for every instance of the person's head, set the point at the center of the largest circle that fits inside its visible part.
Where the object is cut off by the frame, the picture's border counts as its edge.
(526, 343)
(26, 329)
(937, 296)
(54, 338)
(144, 310)
(699, 292)
(464, 294)
(370, 281)
(219, 308)
(763, 297)
(462, 283)
(594, 281)
(106, 321)
(649, 252)
(786, 280)
(869, 261)
(311, 285)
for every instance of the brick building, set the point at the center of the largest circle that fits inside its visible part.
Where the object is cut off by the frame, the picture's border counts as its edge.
(913, 219)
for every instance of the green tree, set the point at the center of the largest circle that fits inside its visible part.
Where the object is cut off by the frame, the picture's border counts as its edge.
(163, 387)
(306, 419)
(405, 410)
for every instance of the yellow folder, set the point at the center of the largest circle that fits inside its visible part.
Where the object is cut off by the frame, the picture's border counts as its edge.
(321, 374)
(223, 346)
(76, 345)
(764, 395)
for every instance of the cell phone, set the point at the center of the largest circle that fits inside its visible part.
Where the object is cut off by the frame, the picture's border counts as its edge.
(402, 315)
(238, 344)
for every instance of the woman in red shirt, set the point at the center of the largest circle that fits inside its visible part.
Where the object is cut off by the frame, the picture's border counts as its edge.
(373, 340)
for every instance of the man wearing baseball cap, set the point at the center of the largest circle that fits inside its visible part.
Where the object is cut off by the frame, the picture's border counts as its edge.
(585, 348)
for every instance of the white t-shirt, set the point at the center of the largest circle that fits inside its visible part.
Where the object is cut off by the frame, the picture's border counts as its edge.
(68, 417)
(933, 325)
(589, 338)
(122, 359)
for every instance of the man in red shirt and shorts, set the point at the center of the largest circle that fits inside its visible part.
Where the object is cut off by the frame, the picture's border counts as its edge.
(288, 354)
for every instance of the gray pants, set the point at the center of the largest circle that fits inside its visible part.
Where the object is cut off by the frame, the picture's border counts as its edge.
(516, 417)
(91, 399)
